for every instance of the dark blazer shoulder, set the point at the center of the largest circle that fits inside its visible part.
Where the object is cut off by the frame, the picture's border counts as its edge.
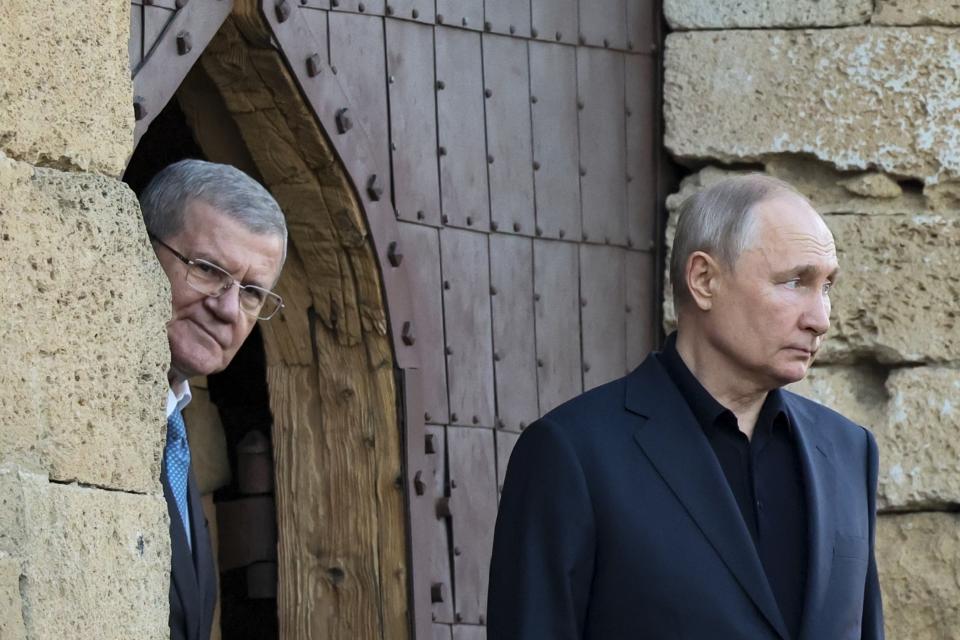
(834, 426)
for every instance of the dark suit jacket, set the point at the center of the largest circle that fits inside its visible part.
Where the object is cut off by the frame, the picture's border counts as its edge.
(193, 580)
(616, 521)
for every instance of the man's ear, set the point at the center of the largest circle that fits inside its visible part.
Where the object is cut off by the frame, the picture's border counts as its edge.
(702, 272)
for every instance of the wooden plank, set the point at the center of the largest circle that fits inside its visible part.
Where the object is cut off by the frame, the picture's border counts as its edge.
(603, 23)
(413, 121)
(642, 149)
(473, 503)
(155, 18)
(421, 248)
(602, 311)
(469, 632)
(507, 77)
(553, 86)
(357, 52)
(505, 443)
(442, 632)
(421, 493)
(463, 156)
(510, 17)
(317, 22)
(556, 275)
(515, 355)
(370, 7)
(554, 20)
(461, 13)
(315, 4)
(643, 16)
(641, 306)
(440, 569)
(466, 312)
(135, 43)
(603, 150)
(419, 10)
(334, 441)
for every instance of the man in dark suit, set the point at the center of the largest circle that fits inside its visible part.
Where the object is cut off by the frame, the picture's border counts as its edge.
(695, 499)
(221, 239)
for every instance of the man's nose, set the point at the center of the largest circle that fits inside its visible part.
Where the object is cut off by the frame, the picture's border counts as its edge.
(226, 306)
(817, 316)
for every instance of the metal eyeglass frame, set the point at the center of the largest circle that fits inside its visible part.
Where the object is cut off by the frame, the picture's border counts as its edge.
(227, 277)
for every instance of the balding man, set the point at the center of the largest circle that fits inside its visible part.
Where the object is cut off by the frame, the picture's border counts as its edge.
(221, 239)
(695, 498)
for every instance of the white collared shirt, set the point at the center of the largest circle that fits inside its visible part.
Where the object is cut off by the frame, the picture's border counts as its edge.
(179, 398)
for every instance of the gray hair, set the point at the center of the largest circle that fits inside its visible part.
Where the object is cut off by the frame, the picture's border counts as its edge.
(221, 186)
(717, 220)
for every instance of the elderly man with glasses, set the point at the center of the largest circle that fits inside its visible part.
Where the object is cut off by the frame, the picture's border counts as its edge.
(221, 239)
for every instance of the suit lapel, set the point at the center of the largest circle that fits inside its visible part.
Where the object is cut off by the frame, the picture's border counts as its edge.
(676, 447)
(818, 477)
(182, 573)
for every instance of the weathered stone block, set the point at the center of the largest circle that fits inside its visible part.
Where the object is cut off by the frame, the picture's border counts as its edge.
(65, 91)
(917, 556)
(904, 12)
(704, 14)
(93, 563)
(896, 300)
(858, 98)
(920, 441)
(83, 351)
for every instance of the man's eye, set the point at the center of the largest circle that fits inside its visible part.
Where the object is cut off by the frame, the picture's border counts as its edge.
(254, 295)
(204, 268)
(827, 286)
(792, 284)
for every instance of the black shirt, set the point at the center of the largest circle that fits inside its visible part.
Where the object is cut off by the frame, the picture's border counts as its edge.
(765, 477)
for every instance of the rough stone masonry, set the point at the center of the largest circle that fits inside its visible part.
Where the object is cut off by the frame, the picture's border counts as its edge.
(84, 549)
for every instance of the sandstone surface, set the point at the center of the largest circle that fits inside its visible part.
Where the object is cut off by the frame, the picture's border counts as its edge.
(93, 563)
(858, 98)
(917, 557)
(65, 91)
(904, 12)
(11, 606)
(83, 351)
(705, 14)
(920, 441)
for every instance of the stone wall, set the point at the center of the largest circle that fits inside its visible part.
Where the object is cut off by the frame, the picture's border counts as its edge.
(862, 117)
(84, 549)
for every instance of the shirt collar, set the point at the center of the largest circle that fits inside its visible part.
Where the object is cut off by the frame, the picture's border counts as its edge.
(178, 397)
(706, 409)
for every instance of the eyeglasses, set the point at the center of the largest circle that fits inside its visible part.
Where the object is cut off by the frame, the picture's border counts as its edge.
(212, 280)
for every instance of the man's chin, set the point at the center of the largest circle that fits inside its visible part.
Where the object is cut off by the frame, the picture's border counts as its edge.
(191, 367)
(789, 375)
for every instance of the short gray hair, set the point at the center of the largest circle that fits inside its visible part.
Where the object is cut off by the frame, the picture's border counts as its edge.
(717, 220)
(221, 186)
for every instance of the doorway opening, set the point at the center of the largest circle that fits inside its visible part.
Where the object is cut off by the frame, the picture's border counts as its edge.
(325, 367)
(229, 425)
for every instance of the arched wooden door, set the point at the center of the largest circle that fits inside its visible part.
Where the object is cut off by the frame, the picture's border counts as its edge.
(474, 208)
